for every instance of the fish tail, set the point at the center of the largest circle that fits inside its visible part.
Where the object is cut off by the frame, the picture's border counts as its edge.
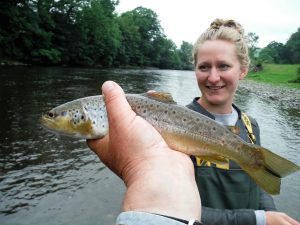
(277, 164)
(268, 174)
(266, 180)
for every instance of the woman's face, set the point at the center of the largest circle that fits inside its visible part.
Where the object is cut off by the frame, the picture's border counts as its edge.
(218, 72)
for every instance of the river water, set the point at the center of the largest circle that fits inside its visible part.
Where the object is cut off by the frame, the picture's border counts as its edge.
(48, 179)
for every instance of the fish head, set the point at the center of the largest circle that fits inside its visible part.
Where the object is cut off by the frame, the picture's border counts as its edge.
(71, 119)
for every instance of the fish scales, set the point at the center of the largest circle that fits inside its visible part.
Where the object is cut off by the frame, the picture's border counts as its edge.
(175, 119)
(183, 129)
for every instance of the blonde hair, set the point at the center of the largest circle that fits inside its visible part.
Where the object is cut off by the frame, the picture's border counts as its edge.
(226, 30)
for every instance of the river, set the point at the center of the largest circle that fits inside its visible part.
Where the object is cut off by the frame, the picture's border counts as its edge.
(48, 179)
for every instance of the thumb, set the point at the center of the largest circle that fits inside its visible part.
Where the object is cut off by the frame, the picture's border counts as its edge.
(118, 109)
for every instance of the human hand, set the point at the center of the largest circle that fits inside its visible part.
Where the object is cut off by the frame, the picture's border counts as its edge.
(278, 218)
(158, 179)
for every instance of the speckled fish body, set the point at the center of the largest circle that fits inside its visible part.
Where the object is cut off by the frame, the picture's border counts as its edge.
(183, 129)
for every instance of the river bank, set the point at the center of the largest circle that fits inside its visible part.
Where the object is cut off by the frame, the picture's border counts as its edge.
(286, 96)
(286, 75)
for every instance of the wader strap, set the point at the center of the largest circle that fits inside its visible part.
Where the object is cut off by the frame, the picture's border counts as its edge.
(248, 126)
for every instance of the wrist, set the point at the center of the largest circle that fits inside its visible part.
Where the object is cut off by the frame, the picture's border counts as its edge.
(171, 192)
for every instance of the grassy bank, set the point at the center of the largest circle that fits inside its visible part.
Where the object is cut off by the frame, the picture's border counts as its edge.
(277, 74)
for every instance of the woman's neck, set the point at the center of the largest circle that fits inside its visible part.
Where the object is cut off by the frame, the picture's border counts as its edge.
(217, 109)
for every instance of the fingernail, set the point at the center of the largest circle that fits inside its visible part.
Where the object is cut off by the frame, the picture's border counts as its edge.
(108, 86)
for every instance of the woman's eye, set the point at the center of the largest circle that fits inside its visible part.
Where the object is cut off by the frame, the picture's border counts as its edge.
(224, 67)
(203, 68)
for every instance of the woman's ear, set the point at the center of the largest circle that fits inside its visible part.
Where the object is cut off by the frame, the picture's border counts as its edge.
(243, 73)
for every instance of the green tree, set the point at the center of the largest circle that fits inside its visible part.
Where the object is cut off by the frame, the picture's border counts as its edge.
(129, 52)
(271, 53)
(166, 55)
(186, 55)
(98, 33)
(252, 44)
(293, 46)
(149, 29)
(24, 31)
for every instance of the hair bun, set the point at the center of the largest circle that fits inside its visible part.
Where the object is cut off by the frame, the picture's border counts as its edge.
(217, 23)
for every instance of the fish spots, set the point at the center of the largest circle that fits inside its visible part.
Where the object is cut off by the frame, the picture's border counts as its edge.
(222, 141)
(77, 116)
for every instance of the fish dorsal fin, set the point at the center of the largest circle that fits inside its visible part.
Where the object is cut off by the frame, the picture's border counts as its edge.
(161, 97)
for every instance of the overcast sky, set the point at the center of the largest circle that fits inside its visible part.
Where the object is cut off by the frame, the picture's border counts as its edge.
(271, 20)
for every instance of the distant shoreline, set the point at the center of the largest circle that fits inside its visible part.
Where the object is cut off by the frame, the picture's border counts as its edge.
(279, 75)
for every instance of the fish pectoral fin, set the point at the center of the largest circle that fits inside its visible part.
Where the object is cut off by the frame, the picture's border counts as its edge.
(161, 96)
(234, 129)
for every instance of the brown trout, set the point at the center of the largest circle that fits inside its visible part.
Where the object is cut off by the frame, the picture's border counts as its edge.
(183, 129)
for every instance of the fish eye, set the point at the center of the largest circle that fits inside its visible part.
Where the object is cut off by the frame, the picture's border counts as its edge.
(51, 114)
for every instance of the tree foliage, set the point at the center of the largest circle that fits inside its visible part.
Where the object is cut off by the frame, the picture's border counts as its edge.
(89, 33)
(84, 32)
(293, 47)
(279, 53)
(252, 44)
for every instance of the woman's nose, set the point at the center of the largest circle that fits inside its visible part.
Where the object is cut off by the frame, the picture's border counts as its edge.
(214, 75)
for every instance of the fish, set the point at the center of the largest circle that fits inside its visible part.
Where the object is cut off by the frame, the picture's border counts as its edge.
(183, 130)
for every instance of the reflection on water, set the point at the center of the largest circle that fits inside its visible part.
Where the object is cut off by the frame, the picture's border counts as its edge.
(59, 181)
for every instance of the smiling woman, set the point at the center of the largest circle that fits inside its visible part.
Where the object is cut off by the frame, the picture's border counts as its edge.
(221, 60)
(218, 71)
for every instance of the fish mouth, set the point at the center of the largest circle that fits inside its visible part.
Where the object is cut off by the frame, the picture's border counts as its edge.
(47, 122)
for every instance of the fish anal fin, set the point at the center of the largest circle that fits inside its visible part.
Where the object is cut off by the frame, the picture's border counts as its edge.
(216, 159)
(161, 97)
